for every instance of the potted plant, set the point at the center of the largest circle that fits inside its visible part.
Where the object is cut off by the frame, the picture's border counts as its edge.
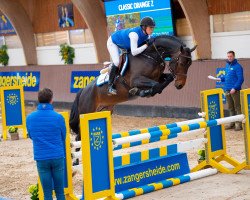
(33, 190)
(202, 155)
(13, 131)
(67, 53)
(4, 58)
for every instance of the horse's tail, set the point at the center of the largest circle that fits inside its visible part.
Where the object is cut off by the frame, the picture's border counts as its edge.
(74, 115)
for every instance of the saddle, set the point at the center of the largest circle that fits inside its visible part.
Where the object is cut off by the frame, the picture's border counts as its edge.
(104, 73)
(122, 64)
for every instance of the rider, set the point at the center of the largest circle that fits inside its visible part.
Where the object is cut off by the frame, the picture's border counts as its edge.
(129, 39)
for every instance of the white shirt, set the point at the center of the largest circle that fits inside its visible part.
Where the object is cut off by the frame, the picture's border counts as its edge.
(135, 50)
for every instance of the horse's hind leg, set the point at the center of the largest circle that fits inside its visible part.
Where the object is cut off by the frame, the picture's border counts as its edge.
(87, 104)
(105, 108)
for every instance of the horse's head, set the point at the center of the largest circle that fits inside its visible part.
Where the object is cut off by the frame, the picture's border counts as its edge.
(179, 64)
(181, 59)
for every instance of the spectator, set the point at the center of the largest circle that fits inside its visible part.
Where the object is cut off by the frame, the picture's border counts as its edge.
(233, 80)
(47, 131)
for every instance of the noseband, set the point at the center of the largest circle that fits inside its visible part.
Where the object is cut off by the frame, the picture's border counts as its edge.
(174, 59)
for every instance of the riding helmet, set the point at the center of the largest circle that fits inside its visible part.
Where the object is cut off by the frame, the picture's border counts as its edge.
(147, 21)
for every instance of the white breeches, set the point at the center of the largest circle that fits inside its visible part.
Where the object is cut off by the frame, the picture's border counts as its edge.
(113, 51)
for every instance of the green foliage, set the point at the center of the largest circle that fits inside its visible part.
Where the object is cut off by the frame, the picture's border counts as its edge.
(202, 154)
(33, 190)
(13, 129)
(67, 53)
(4, 58)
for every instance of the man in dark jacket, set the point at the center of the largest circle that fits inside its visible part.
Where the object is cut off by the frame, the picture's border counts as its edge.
(47, 130)
(233, 82)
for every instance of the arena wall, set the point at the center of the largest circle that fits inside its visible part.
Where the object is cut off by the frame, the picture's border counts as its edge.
(171, 103)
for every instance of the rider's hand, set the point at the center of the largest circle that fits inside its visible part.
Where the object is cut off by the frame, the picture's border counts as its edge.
(150, 41)
(232, 91)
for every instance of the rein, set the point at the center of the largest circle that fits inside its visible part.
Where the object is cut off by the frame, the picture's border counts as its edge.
(174, 59)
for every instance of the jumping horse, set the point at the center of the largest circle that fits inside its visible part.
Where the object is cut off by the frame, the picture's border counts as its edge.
(144, 77)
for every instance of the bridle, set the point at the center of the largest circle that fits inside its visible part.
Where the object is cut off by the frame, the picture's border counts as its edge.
(174, 59)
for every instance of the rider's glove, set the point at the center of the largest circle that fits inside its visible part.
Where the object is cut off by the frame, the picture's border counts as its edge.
(150, 41)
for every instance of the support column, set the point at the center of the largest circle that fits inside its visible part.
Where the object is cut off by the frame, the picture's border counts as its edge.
(23, 27)
(94, 16)
(197, 15)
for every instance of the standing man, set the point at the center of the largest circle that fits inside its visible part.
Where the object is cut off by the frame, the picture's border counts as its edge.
(47, 131)
(233, 80)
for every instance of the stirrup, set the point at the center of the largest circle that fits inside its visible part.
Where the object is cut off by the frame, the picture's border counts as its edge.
(112, 91)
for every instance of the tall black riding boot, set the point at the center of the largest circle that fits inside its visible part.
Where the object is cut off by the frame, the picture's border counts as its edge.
(112, 75)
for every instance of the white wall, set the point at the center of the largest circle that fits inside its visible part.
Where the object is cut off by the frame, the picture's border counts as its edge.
(84, 54)
(222, 42)
(239, 42)
(49, 55)
(16, 57)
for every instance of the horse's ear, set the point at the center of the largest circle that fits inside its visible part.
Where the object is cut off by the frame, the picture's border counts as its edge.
(191, 50)
(181, 48)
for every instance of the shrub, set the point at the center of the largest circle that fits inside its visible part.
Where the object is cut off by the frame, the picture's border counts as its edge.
(67, 53)
(13, 129)
(33, 190)
(4, 58)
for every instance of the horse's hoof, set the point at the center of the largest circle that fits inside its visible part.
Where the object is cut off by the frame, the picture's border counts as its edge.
(76, 162)
(134, 91)
(145, 93)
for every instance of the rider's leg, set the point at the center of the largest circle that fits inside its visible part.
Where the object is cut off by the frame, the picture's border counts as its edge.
(112, 75)
(114, 53)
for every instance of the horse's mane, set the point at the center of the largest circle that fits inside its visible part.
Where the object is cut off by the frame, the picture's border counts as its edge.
(171, 38)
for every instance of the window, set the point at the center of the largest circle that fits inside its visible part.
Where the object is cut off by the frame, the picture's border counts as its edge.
(239, 21)
(77, 36)
(13, 42)
(52, 39)
(2, 42)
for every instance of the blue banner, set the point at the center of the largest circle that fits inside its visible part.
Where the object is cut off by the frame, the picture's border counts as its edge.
(6, 27)
(29, 80)
(80, 79)
(128, 13)
(214, 113)
(219, 73)
(13, 107)
(142, 173)
(131, 6)
(99, 154)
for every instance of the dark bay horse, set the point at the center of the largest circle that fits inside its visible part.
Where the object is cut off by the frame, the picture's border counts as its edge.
(144, 77)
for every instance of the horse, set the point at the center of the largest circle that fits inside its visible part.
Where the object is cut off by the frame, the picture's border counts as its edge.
(144, 77)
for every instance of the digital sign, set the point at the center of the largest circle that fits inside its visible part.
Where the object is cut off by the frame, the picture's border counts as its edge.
(128, 14)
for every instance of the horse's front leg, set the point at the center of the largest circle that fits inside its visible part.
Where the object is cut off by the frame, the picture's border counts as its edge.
(164, 81)
(143, 86)
(153, 86)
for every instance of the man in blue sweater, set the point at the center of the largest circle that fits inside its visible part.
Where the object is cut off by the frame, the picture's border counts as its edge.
(47, 131)
(233, 81)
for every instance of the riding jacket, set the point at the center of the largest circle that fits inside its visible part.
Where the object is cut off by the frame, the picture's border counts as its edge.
(234, 76)
(47, 130)
(130, 39)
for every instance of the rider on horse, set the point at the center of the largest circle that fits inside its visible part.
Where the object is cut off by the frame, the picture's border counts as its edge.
(129, 39)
